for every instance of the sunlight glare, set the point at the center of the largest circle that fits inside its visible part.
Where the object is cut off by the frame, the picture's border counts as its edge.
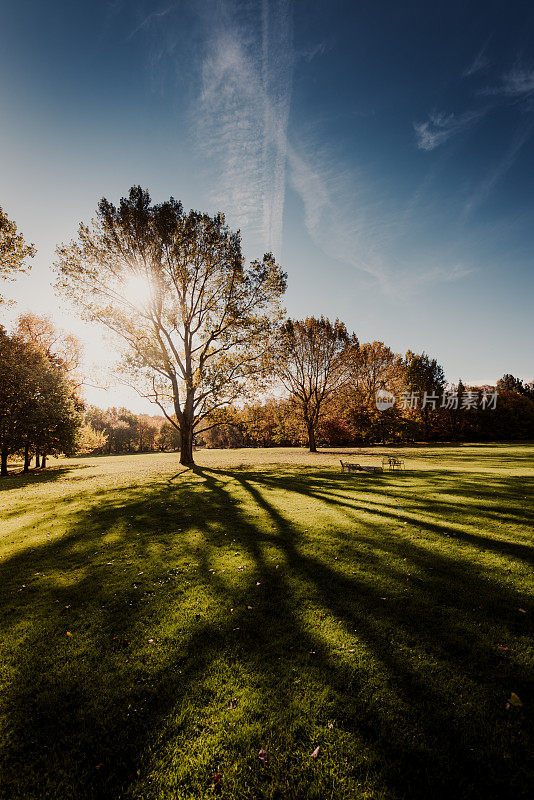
(135, 289)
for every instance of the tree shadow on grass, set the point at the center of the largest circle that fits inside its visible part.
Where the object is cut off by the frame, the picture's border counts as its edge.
(417, 709)
(19, 480)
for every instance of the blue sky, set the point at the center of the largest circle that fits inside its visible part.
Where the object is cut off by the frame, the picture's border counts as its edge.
(383, 150)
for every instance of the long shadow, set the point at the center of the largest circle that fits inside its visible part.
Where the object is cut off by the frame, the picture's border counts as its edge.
(85, 713)
(331, 489)
(18, 480)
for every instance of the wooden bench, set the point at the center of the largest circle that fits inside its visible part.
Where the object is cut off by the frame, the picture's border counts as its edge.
(357, 467)
(393, 463)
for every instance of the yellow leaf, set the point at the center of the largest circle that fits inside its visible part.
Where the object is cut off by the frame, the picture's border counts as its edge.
(514, 700)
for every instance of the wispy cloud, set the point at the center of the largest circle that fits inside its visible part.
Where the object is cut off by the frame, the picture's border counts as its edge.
(519, 82)
(154, 15)
(311, 52)
(243, 114)
(479, 63)
(448, 274)
(241, 126)
(335, 221)
(500, 169)
(440, 127)
(351, 222)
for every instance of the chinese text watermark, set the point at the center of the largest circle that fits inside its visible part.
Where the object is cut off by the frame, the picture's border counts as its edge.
(449, 400)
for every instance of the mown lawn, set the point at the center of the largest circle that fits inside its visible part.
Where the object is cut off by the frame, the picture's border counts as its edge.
(159, 626)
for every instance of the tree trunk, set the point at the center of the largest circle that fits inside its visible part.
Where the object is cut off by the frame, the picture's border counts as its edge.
(37, 459)
(311, 438)
(27, 457)
(3, 461)
(43, 461)
(186, 443)
(426, 423)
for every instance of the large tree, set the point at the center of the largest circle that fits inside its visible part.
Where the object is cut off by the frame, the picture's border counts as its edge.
(14, 251)
(174, 287)
(314, 359)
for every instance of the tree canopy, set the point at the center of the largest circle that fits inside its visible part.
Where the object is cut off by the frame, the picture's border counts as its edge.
(14, 251)
(174, 286)
(38, 406)
(314, 358)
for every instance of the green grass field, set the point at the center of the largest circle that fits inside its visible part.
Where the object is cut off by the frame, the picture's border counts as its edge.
(160, 625)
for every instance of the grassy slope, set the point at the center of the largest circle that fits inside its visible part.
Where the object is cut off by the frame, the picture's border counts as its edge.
(377, 617)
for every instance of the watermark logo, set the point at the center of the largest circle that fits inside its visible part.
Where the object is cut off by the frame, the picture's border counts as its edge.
(384, 400)
(449, 399)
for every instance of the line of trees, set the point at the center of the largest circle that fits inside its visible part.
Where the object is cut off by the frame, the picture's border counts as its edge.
(348, 416)
(204, 336)
(118, 430)
(348, 419)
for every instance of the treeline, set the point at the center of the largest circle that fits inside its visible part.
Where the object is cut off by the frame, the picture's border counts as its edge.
(118, 430)
(463, 413)
(372, 395)
(351, 418)
(205, 335)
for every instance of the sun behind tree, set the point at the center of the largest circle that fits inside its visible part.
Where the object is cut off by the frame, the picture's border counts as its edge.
(198, 333)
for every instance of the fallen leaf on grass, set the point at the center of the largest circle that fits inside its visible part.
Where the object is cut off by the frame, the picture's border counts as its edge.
(217, 783)
(514, 700)
(69, 633)
(316, 752)
(263, 756)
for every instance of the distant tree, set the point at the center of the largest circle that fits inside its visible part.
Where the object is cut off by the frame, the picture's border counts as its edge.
(314, 359)
(14, 251)
(455, 422)
(513, 418)
(378, 368)
(168, 437)
(148, 431)
(90, 440)
(425, 377)
(173, 285)
(508, 383)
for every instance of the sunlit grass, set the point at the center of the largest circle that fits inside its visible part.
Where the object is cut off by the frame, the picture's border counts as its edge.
(159, 626)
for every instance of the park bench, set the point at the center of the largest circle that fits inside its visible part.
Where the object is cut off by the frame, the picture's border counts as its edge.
(393, 463)
(345, 465)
